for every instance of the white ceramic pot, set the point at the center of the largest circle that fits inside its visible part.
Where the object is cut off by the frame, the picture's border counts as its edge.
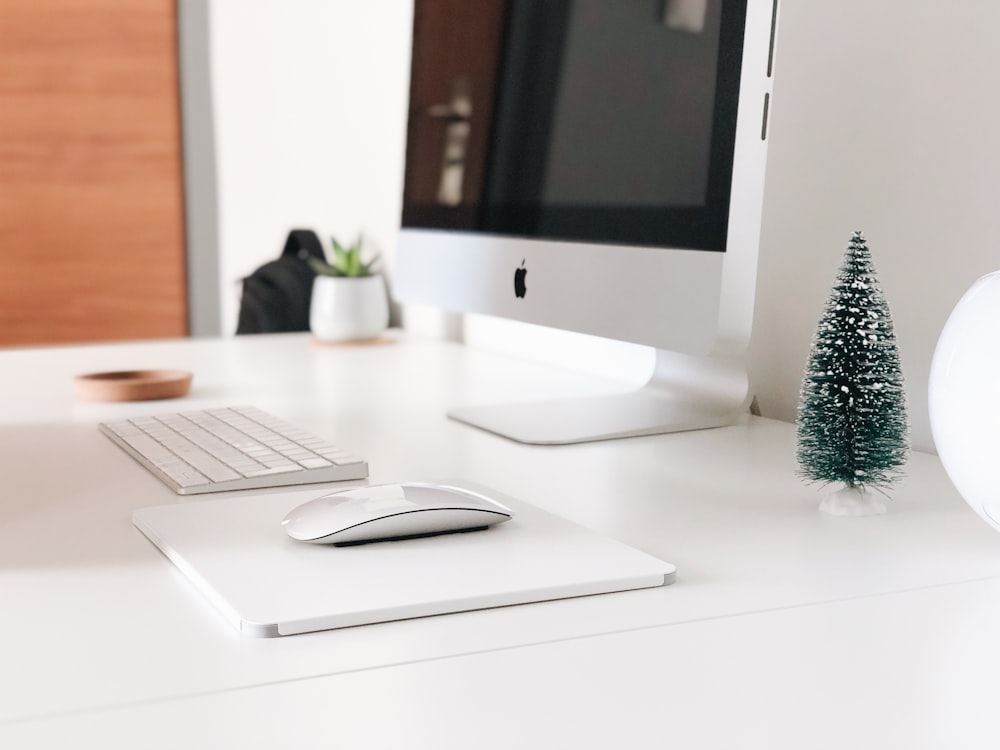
(964, 397)
(348, 309)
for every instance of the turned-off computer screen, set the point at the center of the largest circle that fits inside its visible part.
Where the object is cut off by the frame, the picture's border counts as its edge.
(588, 120)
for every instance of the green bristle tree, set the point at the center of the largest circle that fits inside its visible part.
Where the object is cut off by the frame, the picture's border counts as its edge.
(852, 424)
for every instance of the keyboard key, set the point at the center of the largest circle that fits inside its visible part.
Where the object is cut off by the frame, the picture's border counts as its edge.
(314, 463)
(273, 470)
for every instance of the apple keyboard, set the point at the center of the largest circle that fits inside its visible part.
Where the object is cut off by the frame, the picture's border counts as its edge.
(234, 448)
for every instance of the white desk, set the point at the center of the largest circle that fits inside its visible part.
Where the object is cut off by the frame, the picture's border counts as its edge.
(786, 628)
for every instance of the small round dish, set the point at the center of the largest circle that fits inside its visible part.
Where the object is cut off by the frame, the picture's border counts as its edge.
(132, 385)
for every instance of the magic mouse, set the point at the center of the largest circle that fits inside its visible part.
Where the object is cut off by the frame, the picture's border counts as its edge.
(392, 512)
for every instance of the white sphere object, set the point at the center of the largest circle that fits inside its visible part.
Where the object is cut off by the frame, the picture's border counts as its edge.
(964, 397)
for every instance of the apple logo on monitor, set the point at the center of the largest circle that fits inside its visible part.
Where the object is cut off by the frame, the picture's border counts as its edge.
(519, 276)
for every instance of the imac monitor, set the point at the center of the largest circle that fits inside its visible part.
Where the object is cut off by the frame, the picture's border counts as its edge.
(596, 166)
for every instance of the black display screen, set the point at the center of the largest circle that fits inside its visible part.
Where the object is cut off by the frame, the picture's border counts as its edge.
(588, 120)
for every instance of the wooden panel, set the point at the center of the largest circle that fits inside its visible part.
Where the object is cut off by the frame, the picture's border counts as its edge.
(91, 222)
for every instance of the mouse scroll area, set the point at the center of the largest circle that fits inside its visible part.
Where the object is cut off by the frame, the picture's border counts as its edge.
(392, 512)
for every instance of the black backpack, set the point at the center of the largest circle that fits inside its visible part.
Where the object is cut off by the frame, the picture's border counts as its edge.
(277, 295)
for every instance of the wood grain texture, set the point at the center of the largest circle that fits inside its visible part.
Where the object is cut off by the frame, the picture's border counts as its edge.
(91, 217)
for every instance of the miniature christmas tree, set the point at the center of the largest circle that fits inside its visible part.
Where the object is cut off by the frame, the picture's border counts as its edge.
(852, 425)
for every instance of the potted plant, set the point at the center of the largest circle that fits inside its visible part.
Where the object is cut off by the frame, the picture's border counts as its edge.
(349, 301)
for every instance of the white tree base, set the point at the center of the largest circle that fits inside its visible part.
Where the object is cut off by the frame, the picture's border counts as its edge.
(853, 501)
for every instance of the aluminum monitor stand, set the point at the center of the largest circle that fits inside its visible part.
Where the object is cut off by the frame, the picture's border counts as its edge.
(684, 393)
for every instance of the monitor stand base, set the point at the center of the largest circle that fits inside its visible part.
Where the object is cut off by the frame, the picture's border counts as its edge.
(684, 393)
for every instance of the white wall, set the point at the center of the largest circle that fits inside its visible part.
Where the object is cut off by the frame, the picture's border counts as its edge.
(885, 119)
(310, 113)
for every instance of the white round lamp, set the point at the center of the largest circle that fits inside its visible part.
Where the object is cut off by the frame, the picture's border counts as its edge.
(964, 397)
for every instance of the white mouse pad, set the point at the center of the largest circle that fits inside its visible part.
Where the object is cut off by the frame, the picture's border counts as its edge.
(235, 551)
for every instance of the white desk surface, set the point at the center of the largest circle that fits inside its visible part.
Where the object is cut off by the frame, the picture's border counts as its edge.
(785, 628)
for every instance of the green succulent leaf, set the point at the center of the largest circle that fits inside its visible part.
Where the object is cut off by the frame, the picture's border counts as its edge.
(343, 261)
